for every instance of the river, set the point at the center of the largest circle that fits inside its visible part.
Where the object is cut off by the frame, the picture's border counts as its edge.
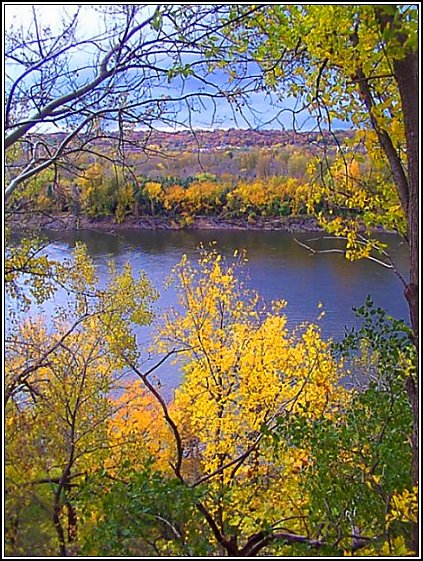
(277, 268)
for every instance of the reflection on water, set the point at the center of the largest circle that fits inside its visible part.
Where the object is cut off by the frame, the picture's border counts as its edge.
(277, 267)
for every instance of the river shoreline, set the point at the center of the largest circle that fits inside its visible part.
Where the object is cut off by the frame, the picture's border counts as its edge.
(107, 224)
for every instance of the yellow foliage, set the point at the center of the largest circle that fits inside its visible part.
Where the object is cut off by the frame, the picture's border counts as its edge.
(403, 507)
(36, 190)
(396, 547)
(153, 190)
(262, 195)
(71, 388)
(95, 190)
(173, 197)
(125, 200)
(58, 380)
(242, 370)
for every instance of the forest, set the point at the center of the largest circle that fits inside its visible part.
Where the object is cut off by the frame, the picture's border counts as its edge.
(278, 441)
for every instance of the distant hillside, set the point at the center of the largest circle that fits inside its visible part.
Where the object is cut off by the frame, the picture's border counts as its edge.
(229, 153)
(202, 140)
(232, 138)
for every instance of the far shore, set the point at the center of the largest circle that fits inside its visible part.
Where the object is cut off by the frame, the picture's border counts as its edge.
(66, 222)
(107, 224)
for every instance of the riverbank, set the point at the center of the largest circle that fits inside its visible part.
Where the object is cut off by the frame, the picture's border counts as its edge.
(107, 224)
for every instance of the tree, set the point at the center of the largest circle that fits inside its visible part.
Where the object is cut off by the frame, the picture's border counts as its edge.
(133, 73)
(242, 370)
(58, 436)
(358, 64)
(265, 449)
(58, 380)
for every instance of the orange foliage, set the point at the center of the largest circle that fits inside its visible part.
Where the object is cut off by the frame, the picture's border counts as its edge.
(138, 431)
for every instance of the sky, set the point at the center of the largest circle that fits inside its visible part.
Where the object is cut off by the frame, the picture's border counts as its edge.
(259, 112)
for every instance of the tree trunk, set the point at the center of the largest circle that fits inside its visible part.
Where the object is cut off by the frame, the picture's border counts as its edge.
(406, 75)
(59, 530)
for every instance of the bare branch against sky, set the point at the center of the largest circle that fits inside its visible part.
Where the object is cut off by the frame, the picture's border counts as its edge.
(102, 71)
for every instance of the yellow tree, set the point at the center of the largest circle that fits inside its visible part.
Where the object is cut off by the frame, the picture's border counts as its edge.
(57, 436)
(357, 63)
(97, 193)
(261, 439)
(58, 380)
(243, 370)
(154, 193)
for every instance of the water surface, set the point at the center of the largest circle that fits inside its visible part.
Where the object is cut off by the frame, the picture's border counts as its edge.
(278, 268)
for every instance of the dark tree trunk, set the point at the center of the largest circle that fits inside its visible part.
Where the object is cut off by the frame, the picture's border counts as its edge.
(59, 530)
(406, 75)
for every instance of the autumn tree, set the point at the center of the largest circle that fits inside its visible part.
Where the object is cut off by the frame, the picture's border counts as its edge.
(358, 64)
(58, 378)
(57, 435)
(263, 446)
(242, 370)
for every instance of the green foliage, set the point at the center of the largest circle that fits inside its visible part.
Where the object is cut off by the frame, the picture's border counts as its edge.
(38, 190)
(23, 537)
(390, 338)
(361, 460)
(143, 514)
(29, 275)
(98, 193)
